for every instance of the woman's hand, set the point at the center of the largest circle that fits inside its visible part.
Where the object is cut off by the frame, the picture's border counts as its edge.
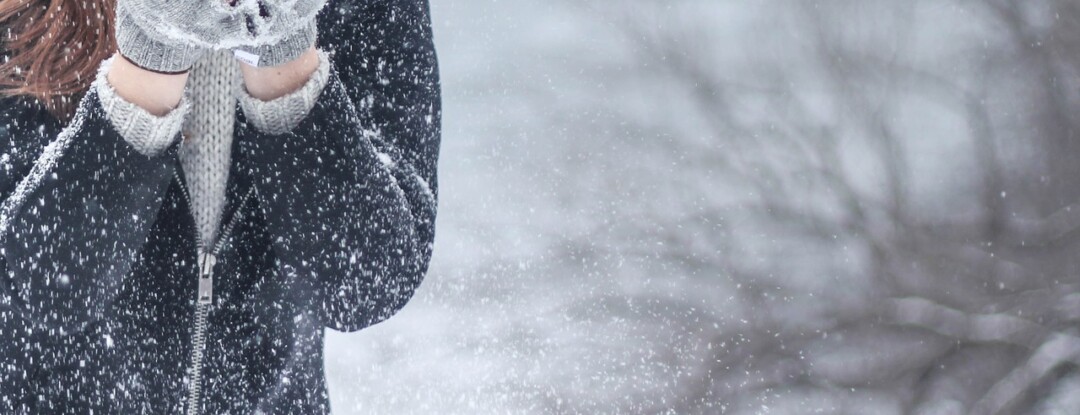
(270, 82)
(151, 65)
(159, 41)
(281, 35)
(169, 35)
(277, 69)
(157, 93)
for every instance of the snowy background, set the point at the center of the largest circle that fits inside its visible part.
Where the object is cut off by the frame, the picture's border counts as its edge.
(752, 206)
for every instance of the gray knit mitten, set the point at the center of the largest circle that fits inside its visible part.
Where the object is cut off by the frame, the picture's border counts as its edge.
(281, 30)
(169, 35)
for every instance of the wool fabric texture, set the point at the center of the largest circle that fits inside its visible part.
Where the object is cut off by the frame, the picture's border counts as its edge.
(148, 134)
(279, 116)
(206, 117)
(150, 51)
(208, 135)
(287, 48)
(170, 35)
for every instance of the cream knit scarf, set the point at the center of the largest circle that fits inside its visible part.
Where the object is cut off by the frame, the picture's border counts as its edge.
(208, 134)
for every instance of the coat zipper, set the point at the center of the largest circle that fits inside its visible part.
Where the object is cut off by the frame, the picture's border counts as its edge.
(206, 258)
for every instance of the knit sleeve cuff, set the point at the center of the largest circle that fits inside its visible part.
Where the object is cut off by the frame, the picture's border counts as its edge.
(149, 134)
(282, 114)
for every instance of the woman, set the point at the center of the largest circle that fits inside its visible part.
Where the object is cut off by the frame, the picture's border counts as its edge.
(193, 190)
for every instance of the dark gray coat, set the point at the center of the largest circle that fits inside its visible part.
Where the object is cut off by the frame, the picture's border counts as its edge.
(329, 226)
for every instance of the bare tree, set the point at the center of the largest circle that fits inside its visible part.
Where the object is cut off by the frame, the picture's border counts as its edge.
(891, 194)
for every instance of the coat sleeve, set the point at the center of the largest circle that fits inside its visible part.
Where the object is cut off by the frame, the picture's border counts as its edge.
(350, 193)
(78, 203)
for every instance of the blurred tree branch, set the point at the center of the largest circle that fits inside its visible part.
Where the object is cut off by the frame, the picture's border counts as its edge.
(956, 281)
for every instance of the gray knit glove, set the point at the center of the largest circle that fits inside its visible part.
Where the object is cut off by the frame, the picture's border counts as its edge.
(281, 30)
(170, 35)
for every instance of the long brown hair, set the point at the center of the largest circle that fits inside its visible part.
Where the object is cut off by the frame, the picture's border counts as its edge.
(52, 49)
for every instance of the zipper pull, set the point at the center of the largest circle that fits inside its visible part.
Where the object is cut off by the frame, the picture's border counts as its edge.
(206, 276)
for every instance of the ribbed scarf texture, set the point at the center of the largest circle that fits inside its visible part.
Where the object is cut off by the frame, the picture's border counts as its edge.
(208, 134)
